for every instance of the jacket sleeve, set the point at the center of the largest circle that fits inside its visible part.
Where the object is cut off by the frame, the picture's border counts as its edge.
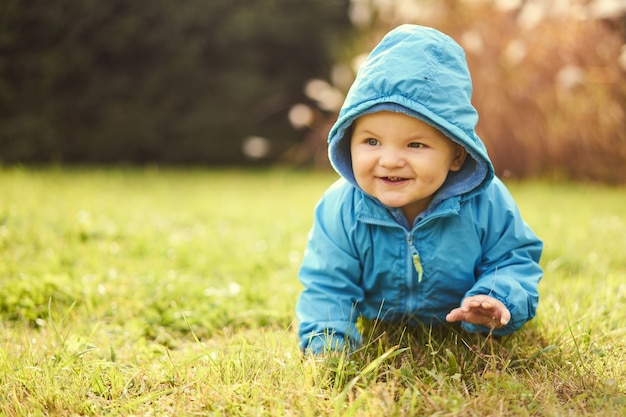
(330, 273)
(509, 269)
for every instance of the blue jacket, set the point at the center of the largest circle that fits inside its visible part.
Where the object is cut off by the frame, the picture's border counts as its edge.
(363, 259)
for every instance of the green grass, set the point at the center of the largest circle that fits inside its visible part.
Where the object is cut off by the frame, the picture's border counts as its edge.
(171, 292)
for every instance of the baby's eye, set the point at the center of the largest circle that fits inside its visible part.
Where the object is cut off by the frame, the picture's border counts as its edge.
(416, 145)
(372, 141)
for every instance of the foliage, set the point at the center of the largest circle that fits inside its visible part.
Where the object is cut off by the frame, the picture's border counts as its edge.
(156, 80)
(549, 79)
(151, 292)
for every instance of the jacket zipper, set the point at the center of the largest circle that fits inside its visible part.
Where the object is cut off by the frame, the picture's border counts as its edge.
(417, 262)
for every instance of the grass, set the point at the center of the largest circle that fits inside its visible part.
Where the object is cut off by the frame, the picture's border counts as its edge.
(171, 292)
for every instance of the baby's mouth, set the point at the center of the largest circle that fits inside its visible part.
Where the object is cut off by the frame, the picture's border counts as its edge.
(393, 179)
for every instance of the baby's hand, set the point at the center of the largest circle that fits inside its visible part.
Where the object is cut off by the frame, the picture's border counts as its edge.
(482, 310)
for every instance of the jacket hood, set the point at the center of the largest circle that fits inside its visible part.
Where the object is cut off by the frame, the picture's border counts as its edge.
(423, 73)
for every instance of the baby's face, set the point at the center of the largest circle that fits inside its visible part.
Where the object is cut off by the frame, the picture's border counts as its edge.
(402, 161)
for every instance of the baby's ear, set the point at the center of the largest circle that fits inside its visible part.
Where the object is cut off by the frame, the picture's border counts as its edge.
(459, 158)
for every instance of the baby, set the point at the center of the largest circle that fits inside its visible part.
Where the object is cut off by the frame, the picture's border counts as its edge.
(418, 230)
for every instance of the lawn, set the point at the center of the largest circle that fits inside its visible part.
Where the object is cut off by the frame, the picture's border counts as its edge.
(155, 292)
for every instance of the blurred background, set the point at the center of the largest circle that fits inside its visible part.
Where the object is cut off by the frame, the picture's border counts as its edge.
(259, 82)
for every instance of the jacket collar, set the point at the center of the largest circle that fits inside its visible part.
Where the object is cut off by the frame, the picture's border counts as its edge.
(370, 210)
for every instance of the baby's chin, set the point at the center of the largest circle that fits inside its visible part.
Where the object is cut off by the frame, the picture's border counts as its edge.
(392, 201)
(408, 207)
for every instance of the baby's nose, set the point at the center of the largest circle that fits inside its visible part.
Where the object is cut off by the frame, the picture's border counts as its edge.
(392, 158)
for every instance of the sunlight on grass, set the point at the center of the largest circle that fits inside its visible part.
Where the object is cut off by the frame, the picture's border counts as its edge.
(171, 292)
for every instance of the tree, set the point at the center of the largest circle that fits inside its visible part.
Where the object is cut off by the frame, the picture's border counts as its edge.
(156, 80)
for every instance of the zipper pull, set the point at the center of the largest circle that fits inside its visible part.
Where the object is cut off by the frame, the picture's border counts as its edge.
(417, 262)
(418, 265)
